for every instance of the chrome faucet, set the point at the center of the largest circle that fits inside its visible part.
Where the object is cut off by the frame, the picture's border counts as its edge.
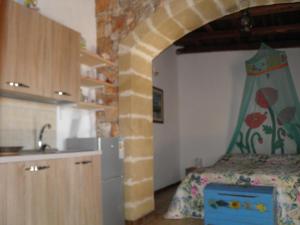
(43, 146)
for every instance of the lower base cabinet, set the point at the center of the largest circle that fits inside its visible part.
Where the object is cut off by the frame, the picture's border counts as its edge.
(79, 196)
(40, 192)
(12, 194)
(51, 192)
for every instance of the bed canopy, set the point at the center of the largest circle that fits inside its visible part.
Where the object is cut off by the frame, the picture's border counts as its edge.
(269, 118)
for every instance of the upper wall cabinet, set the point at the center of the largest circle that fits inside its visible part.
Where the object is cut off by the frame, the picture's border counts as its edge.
(38, 57)
(65, 63)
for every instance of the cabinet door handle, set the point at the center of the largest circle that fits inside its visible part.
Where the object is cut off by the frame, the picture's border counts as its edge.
(17, 84)
(43, 167)
(83, 162)
(36, 168)
(31, 168)
(62, 93)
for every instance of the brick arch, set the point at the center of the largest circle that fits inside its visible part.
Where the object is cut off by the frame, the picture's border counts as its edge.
(170, 22)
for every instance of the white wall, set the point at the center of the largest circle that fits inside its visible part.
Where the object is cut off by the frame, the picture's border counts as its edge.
(210, 92)
(80, 16)
(166, 135)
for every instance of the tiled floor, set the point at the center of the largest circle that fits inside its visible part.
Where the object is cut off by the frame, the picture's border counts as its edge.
(162, 201)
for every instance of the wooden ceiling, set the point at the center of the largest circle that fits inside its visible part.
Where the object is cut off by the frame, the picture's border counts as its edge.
(276, 25)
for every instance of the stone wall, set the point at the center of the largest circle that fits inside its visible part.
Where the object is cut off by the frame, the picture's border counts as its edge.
(116, 18)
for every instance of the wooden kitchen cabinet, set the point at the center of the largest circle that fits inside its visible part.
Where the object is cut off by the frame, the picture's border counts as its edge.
(65, 63)
(90, 208)
(12, 194)
(80, 193)
(41, 206)
(68, 185)
(51, 192)
(19, 53)
(38, 57)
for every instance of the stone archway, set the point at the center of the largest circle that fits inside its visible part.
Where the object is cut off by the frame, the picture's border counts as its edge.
(170, 22)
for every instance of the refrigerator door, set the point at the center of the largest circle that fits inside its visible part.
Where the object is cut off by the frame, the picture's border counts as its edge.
(113, 207)
(112, 164)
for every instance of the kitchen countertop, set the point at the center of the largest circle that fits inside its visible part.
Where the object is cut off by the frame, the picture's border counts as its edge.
(29, 156)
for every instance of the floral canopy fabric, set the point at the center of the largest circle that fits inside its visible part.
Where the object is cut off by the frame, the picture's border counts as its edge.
(269, 119)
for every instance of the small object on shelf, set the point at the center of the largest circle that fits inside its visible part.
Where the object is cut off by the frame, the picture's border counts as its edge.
(114, 130)
(32, 4)
(82, 42)
(82, 96)
(109, 101)
(110, 114)
(101, 76)
(104, 129)
(99, 101)
(92, 73)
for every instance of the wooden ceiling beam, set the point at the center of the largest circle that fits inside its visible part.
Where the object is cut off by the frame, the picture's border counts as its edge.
(274, 9)
(277, 24)
(234, 47)
(267, 10)
(208, 27)
(255, 32)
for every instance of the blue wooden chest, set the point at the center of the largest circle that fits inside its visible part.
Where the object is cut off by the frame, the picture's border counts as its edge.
(239, 205)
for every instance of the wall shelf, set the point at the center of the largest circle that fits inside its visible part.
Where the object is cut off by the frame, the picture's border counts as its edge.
(93, 60)
(93, 83)
(93, 106)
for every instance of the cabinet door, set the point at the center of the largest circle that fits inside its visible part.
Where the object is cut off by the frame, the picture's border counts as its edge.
(68, 181)
(90, 199)
(12, 203)
(41, 193)
(38, 56)
(79, 191)
(65, 64)
(19, 49)
(97, 189)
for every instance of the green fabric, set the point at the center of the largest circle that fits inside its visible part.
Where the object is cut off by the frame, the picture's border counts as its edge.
(269, 119)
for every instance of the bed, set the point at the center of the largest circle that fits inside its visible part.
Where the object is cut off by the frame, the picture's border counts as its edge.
(282, 172)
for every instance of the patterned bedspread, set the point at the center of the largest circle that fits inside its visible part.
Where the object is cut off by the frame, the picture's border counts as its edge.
(282, 172)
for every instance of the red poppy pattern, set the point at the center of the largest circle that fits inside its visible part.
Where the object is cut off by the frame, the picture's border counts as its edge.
(255, 120)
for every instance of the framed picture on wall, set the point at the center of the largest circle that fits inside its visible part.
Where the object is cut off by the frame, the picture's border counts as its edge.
(158, 105)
